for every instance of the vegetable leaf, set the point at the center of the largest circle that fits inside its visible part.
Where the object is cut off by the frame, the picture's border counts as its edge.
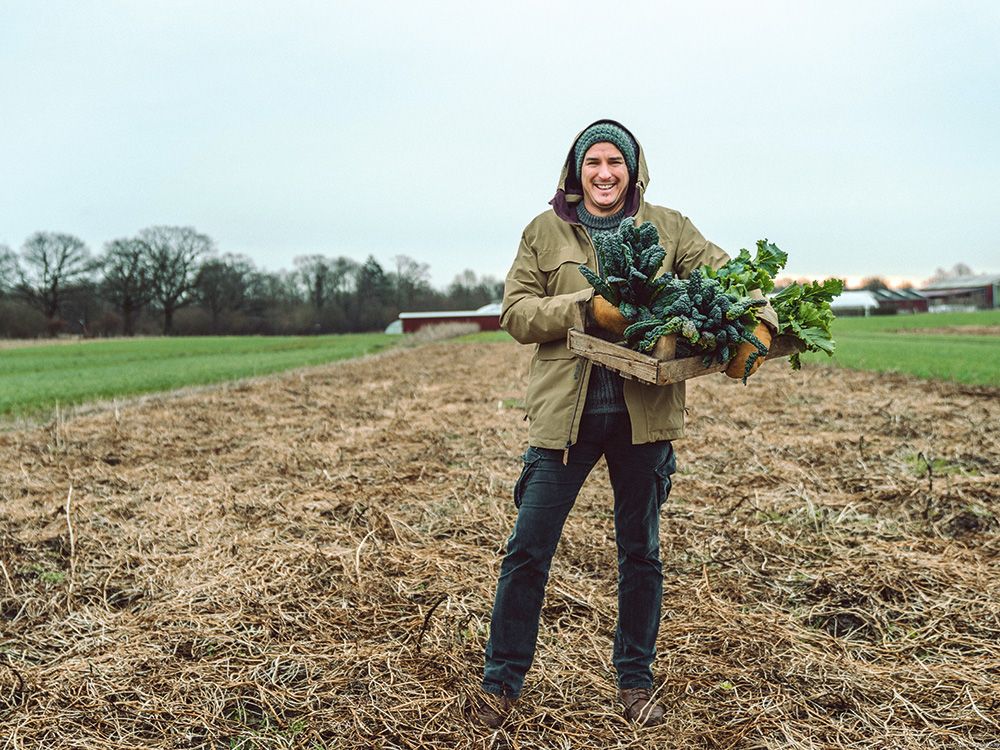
(743, 273)
(804, 311)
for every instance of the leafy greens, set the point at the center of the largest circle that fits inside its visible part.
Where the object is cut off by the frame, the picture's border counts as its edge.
(803, 310)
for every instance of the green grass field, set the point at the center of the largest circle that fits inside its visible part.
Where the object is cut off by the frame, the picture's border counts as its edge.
(881, 343)
(34, 379)
(973, 360)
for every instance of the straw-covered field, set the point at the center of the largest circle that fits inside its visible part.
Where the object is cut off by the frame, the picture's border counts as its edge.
(309, 561)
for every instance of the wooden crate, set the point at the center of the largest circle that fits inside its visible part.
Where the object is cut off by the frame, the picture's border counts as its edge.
(660, 370)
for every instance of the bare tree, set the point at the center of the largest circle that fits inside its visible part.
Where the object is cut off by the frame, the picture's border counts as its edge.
(174, 256)
(343, 277)
(411, 277)
(8, 269)
(273, 288)
(224, 284)
(315, 273)
(324, 279)
(52, 263)
(959, 270)
(468, 291)
(127, 279)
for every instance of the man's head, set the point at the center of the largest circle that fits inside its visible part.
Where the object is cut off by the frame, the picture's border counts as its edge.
(606, 162)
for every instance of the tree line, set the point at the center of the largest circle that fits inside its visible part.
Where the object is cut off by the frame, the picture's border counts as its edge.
(172, 280)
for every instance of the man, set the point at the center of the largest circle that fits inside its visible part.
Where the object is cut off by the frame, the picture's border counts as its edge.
(580, 412)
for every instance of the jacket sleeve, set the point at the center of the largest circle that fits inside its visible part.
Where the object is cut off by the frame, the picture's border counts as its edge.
(529, 314)
(694, 251)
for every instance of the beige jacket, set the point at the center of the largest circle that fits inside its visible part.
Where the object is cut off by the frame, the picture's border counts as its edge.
(545, 295)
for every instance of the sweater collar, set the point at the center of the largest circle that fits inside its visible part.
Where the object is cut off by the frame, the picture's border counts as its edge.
(598, 223)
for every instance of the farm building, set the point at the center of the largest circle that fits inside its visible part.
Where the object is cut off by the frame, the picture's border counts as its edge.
(857, 302)
(900, 301)
(880, 302)
(486, 317)
(964, 293)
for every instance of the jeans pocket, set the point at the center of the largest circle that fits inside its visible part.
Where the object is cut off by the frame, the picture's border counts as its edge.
(531, 458)
(666, 467)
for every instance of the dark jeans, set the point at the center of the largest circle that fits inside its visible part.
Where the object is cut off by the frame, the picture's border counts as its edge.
(544, 494)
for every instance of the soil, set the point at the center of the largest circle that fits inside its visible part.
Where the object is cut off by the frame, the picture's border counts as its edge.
(309, 560)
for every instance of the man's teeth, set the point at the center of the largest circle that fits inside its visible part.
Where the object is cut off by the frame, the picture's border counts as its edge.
(604, 185)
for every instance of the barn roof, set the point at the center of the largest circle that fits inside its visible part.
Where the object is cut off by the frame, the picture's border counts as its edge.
(449, 314)
(489, 310)
(898, 295)
(964, 282)
(854, 298)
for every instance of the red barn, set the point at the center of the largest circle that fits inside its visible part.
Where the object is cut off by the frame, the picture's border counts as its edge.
(486, 317)
(900, 301)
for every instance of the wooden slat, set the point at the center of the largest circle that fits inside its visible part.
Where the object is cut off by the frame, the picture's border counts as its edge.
(626, 361)
(639, 366)
(785, 346)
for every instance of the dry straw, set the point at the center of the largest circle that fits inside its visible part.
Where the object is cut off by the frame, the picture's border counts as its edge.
(308, 561)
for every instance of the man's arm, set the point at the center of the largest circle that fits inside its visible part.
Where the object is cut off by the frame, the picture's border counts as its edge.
(528, 314)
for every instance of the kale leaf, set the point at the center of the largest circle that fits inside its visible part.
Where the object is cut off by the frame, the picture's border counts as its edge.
(804, 311)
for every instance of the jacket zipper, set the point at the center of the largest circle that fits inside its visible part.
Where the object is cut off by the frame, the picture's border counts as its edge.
(576, 406)
(580, 365)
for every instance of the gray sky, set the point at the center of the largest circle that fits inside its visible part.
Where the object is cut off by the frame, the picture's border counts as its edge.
(861, 137)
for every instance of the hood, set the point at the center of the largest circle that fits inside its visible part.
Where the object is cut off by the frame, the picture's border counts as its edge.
(569, 192)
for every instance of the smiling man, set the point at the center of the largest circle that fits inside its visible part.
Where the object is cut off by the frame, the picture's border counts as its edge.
(580, 412)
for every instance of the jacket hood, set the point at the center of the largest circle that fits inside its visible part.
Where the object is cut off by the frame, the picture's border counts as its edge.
(569, 191)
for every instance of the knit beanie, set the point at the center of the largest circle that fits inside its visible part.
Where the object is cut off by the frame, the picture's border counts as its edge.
(606, 132)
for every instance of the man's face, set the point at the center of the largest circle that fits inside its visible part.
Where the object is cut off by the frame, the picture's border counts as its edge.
(605, 179)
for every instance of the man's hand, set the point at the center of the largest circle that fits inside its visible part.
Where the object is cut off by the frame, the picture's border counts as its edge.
(607, 316)
(738, 364)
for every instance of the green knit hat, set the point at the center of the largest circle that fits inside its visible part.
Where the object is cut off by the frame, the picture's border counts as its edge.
(606, 132)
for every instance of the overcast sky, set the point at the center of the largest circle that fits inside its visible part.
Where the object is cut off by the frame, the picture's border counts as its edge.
(861, 137)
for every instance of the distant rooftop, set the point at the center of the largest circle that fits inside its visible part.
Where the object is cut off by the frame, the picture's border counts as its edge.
(491, 309)
(898, 294)
(855, 298)
(965, 282)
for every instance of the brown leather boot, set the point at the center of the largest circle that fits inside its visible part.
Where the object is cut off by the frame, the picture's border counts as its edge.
(640, 706)
(489, 710)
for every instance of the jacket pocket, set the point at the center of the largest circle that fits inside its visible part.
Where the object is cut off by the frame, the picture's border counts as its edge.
(664, 471)
(551, 258)
(531, 458)
(554, 350)
(551, 385)
(561, 266)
